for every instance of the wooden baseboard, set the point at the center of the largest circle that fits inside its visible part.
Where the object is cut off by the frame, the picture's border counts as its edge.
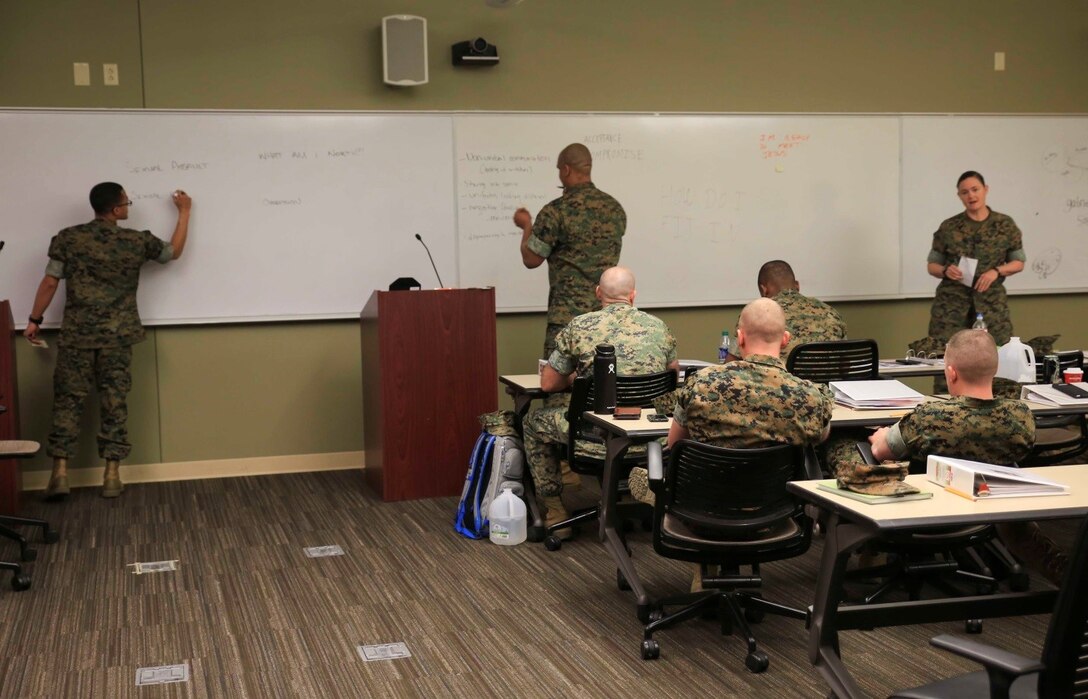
(195, 470)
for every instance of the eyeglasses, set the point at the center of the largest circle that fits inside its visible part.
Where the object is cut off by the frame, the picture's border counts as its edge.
(124, 203)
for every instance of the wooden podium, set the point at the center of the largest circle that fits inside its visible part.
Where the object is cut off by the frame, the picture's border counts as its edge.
(429, 369)
(11, 478)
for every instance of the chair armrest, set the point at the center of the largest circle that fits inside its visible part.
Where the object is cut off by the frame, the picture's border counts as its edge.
(993, 659)
(654, 463)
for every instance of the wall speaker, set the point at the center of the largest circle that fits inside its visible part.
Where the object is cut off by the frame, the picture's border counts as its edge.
(404, 50)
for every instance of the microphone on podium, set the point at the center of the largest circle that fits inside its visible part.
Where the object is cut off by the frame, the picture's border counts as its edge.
(435, 268)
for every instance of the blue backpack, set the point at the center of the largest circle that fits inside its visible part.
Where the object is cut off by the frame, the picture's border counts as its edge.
(497, 462)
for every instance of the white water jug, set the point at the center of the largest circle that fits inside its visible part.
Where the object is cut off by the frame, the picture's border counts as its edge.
(507, 519)
(1016, 362)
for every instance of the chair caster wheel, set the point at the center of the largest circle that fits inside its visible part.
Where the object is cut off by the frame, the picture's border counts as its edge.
(973, 626)
(651, 649)
(27, 555)
(553, 542)
(535, 534)
(644, 611)
(621, 582)
(757, 661)
(1018, 582)
(655, 615)
(20, 582)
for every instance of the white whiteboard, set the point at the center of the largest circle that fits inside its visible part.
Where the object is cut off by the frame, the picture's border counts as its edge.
(1037, 170)
(303, 215)
(294, 216)
(708, 200)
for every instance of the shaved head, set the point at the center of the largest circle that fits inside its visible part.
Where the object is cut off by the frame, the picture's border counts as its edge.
(616, 284)
(774, 276)
(577, 157)
(763, 321)
(973, 354)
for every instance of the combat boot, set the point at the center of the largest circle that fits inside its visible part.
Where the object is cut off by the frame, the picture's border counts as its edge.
(555, 513)
(571, 480)
(111, 482)
(57, 489)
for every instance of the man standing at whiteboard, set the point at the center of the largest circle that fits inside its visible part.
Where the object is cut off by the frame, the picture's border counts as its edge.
(100, 263)
(579, 234)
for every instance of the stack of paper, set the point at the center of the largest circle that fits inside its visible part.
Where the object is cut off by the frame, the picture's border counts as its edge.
(875, 395)
(1045, 393)
(974, 480)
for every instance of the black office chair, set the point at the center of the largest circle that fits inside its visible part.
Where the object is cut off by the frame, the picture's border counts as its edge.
(727, 507)
(836, 360)
(631, 391)
(1060, 673)
(19, 580)
(1058, 438)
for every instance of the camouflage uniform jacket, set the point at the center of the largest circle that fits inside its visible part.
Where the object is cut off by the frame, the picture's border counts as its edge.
(809, 319)
(997, 431)
(580, 234)
(992, 242)
(100, 263)
(752, 403)
(643, 343)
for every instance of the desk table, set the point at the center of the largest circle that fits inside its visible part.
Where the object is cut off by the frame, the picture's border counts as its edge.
(851, 523)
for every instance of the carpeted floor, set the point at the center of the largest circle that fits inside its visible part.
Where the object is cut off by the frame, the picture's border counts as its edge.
(253, 617)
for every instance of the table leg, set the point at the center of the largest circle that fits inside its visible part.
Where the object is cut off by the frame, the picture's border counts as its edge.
(615, 447)
(823, 646)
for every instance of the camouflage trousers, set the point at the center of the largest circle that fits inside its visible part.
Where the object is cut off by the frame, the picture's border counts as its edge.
(106, 369)
(545, 432)
(549, 339)
(840, 452)
(954, 309)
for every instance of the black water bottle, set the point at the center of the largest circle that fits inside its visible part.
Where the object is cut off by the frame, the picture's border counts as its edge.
(604, 380)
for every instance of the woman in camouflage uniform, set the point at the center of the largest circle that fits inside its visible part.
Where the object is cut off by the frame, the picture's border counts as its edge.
(985, 235)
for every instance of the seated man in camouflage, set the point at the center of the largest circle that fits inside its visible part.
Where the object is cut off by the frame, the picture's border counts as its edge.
(749, 403)
(643, 345)
(807, 319)
(971, 425)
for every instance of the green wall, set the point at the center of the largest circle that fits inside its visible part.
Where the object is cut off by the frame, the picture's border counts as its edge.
(219, 392)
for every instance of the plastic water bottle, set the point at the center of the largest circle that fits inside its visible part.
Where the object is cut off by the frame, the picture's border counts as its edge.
(979, 323)
(723, 349)
(507, 519)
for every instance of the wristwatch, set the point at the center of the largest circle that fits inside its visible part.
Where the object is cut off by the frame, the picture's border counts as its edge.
(36, 321)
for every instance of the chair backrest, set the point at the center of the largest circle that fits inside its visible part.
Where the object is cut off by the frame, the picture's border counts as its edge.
(726, 493)
(630, 391)
(1066, 360)
(837, 360)
(1065, 651)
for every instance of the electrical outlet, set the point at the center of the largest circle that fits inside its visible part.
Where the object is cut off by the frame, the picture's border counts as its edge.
(109, 74)
(999, 60)
(82, 74)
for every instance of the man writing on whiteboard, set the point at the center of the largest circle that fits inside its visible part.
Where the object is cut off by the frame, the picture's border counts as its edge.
(579, 234)
(100, 263)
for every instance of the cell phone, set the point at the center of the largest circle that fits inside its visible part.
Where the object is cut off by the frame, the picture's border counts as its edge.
(908, 361)
(866, 451)
(1071, 390)
(654, 417)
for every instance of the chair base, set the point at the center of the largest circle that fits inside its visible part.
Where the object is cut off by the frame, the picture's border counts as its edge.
(733, 608)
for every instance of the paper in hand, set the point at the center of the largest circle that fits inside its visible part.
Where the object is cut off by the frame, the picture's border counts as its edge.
(38, 342)
(967, 265)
